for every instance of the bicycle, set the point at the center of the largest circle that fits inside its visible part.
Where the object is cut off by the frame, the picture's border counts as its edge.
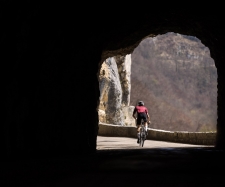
(143, 134)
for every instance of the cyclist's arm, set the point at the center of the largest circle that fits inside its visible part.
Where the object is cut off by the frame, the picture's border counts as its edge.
(134, 113)
(148, 117)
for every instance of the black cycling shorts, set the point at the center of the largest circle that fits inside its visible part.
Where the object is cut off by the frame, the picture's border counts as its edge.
(141, 116)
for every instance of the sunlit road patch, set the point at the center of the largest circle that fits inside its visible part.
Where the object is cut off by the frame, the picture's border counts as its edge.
(105, 143)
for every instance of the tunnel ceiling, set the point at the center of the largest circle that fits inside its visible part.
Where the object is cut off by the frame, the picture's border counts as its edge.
(126, 35)
(115, 29)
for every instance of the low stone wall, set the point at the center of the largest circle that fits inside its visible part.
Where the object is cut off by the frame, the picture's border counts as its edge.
(198, 138)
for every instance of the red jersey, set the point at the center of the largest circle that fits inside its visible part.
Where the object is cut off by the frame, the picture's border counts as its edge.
(140, 109)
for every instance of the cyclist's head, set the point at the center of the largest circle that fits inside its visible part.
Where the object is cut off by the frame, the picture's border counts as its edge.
(140, 103)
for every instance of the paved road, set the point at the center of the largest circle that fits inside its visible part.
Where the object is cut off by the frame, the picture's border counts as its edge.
(120, 162)
(108, 143)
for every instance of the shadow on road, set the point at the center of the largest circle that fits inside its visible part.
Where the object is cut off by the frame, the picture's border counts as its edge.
(175, 166)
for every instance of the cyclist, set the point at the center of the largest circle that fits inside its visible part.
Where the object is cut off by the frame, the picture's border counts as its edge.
(142, 113)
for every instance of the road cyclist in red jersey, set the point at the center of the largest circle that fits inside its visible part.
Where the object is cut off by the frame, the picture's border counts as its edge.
(140, 113)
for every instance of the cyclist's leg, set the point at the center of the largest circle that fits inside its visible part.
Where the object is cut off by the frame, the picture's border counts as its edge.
(146, 124)
(138, 132)
(142, 133)
(138, 128)
(143, 117)
(146, 128)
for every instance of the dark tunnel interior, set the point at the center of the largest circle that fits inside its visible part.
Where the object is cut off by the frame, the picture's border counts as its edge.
(50, 58)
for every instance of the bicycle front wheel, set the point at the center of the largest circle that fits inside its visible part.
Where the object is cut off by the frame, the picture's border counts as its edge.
(142, 141)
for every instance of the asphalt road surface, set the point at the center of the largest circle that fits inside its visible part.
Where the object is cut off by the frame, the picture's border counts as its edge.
(120, 162)
(107, 143)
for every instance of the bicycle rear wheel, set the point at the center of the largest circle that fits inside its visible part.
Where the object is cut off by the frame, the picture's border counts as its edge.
(142, 145)
(142, 140)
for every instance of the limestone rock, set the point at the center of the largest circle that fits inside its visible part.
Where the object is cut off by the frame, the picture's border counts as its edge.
(115, 87)
(102, 115)
(128, 119)
(124, 69)
(110, 92)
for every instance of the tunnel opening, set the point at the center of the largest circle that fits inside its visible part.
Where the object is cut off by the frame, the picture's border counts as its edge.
(49, 69)
(176, 77)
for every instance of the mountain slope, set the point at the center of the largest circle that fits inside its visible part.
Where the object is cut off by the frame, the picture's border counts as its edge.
(177, 79)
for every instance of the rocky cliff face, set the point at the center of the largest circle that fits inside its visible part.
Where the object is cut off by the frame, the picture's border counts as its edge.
(124, 70)
(174, 75)
(110, 108)
(115, 86)
(178, 82)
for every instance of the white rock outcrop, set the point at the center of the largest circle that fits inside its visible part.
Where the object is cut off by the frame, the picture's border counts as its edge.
(128, 119)
(110, 93)
(124, 70)
(115, 87)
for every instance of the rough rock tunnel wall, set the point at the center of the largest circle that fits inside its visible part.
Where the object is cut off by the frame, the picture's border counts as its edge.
(51, 55)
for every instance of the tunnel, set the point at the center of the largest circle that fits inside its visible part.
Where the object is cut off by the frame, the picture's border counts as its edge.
(51, 55)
